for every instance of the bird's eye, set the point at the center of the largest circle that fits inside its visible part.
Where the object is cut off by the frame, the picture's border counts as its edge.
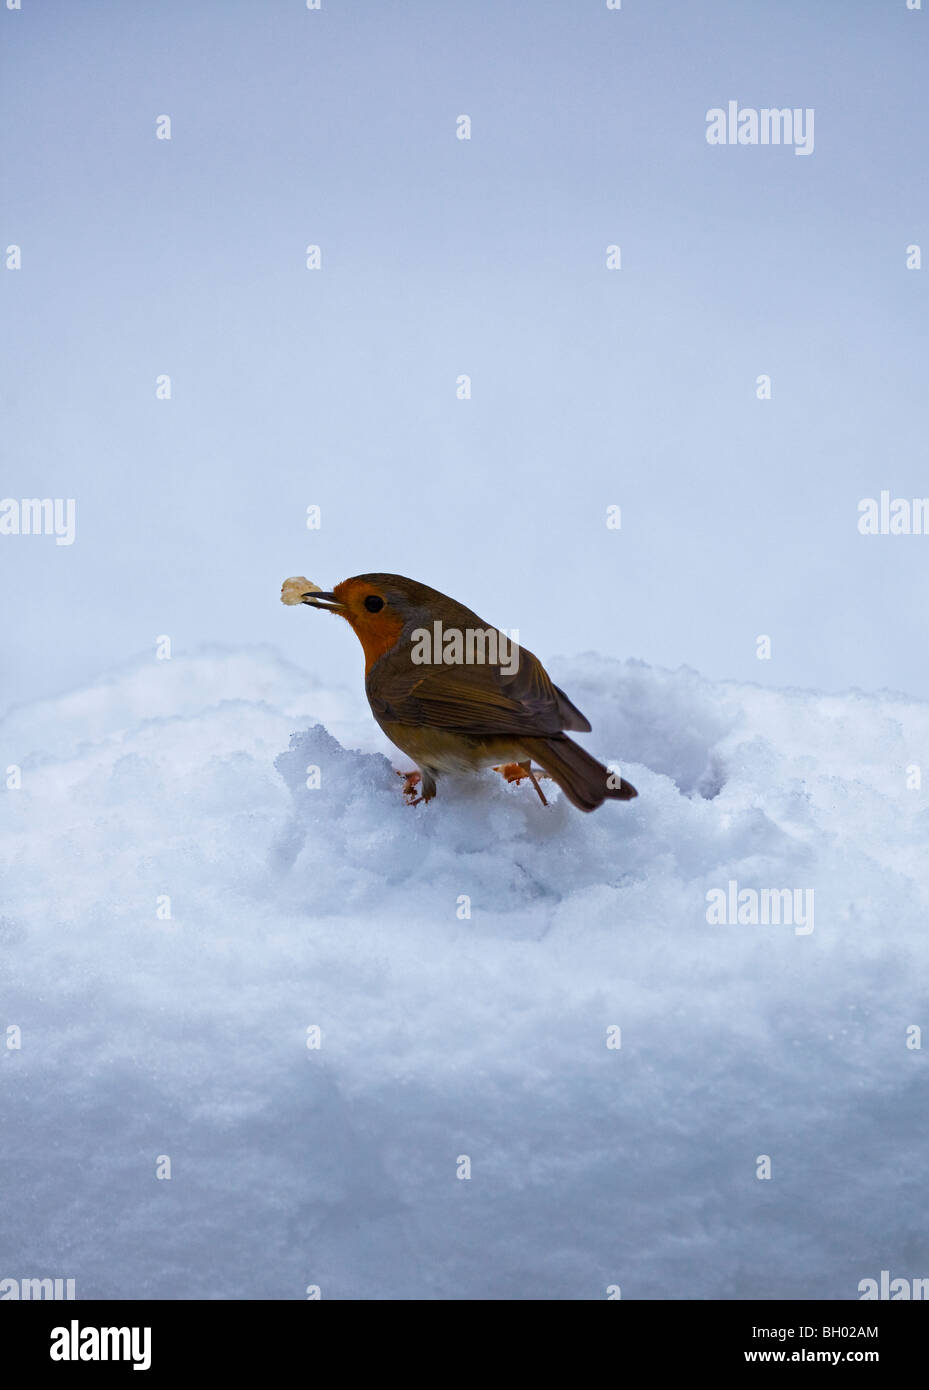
(373, 603)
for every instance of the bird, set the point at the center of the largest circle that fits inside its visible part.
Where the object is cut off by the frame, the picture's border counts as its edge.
(447, 707)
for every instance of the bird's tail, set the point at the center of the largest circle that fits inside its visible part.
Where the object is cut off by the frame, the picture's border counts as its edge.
(585, 782)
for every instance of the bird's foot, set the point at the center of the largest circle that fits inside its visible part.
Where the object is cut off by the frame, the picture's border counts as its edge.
(411, 781)
(515, 772)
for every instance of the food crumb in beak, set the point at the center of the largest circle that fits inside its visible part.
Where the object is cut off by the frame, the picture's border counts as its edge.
(292, 590)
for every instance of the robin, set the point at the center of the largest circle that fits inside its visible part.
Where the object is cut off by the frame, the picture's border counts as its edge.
(457, 695)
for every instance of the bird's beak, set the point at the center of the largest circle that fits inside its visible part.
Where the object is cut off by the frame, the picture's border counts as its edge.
(332, 604)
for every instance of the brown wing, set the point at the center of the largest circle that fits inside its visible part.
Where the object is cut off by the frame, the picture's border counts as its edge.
(473, 698)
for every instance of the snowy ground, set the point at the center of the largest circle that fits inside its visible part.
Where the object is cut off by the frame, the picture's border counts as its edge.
(444, 1036)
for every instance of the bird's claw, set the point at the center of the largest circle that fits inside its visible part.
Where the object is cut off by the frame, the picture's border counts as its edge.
(411, 781)
(515, 772)
(512, 772)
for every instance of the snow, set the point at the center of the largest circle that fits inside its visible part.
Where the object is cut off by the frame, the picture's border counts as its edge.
(444, 1035)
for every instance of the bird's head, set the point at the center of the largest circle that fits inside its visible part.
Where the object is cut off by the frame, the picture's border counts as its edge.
(378, 607)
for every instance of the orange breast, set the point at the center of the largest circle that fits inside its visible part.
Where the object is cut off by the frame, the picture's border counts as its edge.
(377, 634)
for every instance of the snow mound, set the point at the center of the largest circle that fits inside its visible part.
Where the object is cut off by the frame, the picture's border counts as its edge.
(467, 964)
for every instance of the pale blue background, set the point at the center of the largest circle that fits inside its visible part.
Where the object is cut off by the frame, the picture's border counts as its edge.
(442, 257)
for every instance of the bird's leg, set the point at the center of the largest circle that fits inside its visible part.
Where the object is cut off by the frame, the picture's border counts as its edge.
(515, 772)
(531, 775)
